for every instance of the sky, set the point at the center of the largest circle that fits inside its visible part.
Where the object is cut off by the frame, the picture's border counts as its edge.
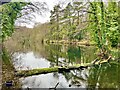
(42, 18)
(50, 4)
(45, 17)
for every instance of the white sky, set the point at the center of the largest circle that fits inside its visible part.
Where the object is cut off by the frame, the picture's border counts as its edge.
(50, 4)
(46, 14)
(45, 17)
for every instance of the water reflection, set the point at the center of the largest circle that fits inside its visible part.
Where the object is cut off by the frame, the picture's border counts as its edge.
(23, 61)
(65, 55)
(105, 76)
(55, 55)
(45, 81)
(50, 80)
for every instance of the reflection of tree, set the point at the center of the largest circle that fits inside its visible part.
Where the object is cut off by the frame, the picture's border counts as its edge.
(71, 54)
(74, 54)
(55, 74)
(74, 77)
(25, 42)
(54, 52)
(104, 76)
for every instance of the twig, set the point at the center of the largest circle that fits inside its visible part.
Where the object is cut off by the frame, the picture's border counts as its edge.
(95, 61)
(54, 88)
(56, 85)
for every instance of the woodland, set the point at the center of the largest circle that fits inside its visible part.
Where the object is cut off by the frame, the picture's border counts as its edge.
(87, 24)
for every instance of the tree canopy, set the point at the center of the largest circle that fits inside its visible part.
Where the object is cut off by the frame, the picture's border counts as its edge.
(78, 20)
(11, 11)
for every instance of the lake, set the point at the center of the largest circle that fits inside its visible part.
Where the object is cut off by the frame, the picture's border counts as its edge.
(103, 76)
(27, 52)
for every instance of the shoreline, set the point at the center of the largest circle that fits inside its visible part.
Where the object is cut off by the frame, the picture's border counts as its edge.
(70, 42)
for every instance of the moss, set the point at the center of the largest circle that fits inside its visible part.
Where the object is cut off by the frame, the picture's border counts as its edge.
(54, 69)
(36, 71)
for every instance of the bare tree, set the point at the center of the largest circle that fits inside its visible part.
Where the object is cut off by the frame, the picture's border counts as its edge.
(29, 12)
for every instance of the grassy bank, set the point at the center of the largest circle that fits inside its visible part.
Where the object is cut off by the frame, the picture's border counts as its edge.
(8, 71)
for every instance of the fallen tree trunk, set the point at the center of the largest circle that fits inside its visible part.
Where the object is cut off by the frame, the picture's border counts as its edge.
(24, 73)
(46, 70)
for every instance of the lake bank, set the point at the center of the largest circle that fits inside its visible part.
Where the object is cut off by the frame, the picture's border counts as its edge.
(8, 73)
(70, 42)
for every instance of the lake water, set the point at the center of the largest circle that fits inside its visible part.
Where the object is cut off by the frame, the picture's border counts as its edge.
(28, 53)
(102, 76)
